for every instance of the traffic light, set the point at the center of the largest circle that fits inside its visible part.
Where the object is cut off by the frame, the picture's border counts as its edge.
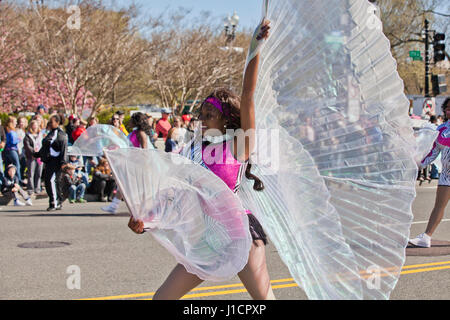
(439, 47)
(439, 84)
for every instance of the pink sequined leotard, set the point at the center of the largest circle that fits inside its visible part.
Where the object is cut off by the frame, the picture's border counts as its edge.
(220, 160)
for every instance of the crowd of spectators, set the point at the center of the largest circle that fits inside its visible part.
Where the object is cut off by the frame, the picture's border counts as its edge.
(34, 154)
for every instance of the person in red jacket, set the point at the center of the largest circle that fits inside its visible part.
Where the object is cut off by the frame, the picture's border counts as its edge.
(79, 130)
(163, 125)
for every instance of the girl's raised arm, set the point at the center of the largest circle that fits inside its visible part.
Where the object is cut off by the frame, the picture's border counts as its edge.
(247, 109)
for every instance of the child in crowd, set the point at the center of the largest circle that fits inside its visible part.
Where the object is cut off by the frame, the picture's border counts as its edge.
(11, 187)
(77, 162)
(72, 185)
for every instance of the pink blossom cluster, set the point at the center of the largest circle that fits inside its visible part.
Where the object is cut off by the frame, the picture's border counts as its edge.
(21, 89)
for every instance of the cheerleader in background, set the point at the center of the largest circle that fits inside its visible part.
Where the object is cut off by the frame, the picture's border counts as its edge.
(441, 146)
(140, 138)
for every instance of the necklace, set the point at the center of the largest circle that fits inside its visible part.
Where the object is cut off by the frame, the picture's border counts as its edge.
(217, 139)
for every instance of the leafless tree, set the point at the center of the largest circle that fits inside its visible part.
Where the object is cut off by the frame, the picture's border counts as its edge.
(193, 62)
(403, 22)
(87, 47)
(12, 60)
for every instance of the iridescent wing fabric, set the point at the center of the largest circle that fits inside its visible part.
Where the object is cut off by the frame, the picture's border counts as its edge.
(425, 138)
(188, 209)
(340, 176)
(255, 45)
(92, 142)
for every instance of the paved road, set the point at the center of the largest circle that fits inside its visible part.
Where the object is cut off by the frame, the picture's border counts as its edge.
(114, 263)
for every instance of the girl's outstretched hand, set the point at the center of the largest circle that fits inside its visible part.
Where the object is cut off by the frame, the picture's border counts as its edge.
(264, 31)
(136, 225)
(261, 33)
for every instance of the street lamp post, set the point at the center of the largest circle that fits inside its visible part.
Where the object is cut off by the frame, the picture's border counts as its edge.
(230, 24)
(37, 2)
(427, 59)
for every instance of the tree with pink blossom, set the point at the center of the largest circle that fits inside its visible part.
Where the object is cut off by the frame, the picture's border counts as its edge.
(87, 61)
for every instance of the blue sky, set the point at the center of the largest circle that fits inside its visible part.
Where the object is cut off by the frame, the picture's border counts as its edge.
(249, 11)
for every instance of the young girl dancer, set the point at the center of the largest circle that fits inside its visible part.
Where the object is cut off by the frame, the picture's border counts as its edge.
(441, 146)
(224, 110)
(140, 138)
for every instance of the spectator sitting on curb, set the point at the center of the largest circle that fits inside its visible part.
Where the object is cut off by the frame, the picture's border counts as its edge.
(103, 183)
(77, 162)
(72, 185)
(12, 189)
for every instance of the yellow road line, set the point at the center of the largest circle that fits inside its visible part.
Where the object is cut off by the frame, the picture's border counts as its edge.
(291, 285)
(125, 296)
(410, 267)
(209, 294)
(425, 264)
(140, 295)
(409, 271)
(425, 270)
(220, 293)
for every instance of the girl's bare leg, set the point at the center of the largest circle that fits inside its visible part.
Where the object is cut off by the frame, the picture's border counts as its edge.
(442, 197)
(178, 283)
(255, 276)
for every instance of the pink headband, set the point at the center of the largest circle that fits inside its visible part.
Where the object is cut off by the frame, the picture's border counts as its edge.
(215, 102)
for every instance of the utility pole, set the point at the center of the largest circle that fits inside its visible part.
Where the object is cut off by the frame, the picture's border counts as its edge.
(427, 60)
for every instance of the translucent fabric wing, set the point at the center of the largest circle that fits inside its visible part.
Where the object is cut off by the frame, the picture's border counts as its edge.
(341, 181)
(92, 142)
(187, 208)
(425, 138)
